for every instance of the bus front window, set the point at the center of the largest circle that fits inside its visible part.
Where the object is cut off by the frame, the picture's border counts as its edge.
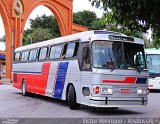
(107, 54)
(134, 56)
(118, 55)
(153, 63)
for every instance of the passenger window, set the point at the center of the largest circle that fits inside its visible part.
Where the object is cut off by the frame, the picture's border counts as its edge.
(33, 55)
(72, 49)
(43, 53)
(55, 52)
(17, 57)
(86, 59)
(52, 52)
(24, 56)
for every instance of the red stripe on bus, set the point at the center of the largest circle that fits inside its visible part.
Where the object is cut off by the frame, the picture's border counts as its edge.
(36, 83)
(130, 80)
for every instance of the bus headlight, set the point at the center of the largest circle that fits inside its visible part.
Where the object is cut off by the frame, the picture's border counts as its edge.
(110, 91)
(144, 92)
(106, 90)
(141, 91)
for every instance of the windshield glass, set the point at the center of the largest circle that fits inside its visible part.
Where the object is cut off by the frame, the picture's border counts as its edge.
(153, 63)
(118, 55)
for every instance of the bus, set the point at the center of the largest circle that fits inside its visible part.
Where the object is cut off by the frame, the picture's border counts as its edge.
(92, 68)
(153, 64)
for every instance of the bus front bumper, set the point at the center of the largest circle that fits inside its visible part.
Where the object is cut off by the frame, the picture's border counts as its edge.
(118, 102)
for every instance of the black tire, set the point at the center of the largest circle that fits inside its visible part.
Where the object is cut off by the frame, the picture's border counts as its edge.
(72, 102)
(24, 91)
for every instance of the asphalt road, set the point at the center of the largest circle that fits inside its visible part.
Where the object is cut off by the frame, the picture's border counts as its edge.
(14, 105)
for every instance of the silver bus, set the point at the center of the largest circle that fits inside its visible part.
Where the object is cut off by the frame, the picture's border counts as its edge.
(92, 68)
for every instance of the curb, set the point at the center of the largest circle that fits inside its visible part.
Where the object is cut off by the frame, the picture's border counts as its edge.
(5, 83)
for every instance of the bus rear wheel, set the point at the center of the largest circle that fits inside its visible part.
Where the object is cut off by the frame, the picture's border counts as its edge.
(24, 92)
(72, 98)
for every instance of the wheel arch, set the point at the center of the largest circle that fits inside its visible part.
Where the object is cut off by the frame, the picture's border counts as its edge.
(67, 89)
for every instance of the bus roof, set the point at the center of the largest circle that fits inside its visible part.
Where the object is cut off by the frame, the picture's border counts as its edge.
(152, 51)
(83, 37)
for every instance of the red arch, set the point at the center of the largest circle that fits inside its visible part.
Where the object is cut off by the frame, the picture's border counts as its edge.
(7, 26)
(54, 10)
(62, 9)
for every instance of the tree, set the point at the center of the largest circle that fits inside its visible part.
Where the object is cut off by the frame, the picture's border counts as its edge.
(39, 34)
(43, 23)
(85, 18)
(134, 14)
(27, 32)
(46, 22)
(111, 24)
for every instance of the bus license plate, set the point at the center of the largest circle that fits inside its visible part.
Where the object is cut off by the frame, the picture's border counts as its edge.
(127, 91)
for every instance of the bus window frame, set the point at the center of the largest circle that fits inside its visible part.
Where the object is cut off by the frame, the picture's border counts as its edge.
(37, 54)
(27, 57)
(91, 45)
(80, 56)
(19, 60)
(75, 53)
(47, 54)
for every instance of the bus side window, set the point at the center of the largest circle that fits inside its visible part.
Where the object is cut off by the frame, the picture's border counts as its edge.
(55, 52)
(17, 56)
(33, 55)
(52, 52)
(86, 59)
(25, 56)
(70, 50)
(43, 53)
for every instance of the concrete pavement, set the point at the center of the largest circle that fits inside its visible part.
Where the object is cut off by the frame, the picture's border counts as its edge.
(14, 105)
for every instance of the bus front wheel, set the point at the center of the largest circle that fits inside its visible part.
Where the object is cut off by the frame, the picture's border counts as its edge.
(24, 92)
(72, 98)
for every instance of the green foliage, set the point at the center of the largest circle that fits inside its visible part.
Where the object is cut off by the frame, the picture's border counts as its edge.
(40, 34)
(46, 22)
(156, 38)
(139, 15)
(85, 18)
(47, 25)
(129, 13)
(26, 39)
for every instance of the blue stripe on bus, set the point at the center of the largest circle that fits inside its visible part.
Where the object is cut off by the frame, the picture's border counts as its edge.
(141, 81)
(61, 76)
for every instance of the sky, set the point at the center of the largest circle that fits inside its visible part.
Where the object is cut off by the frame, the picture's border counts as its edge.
(78, 5)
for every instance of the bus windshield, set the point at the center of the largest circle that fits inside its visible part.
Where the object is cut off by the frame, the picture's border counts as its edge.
(118, 55)
(153, 63)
